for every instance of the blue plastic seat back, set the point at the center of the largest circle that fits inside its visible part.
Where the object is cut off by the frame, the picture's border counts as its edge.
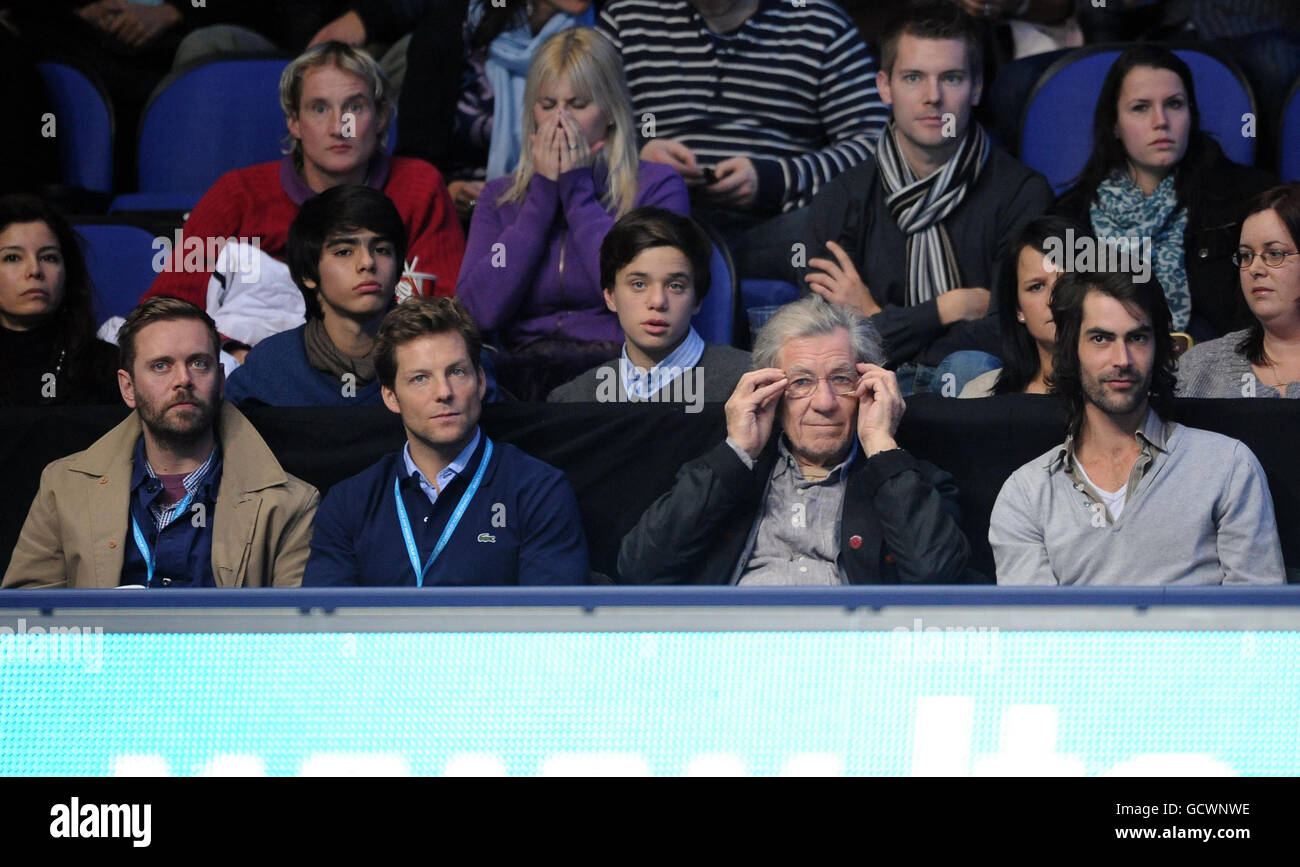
(208, 120)
(1289, 167)
(120, 261)
(1056, 130)
(767, 293)
(83, 127)
(716, 319)
(1223, 98)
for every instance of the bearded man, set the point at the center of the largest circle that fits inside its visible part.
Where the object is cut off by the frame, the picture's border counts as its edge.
(1129, 497)
(183, 493)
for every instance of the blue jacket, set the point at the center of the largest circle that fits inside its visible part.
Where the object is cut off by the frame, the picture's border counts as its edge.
(277, 373)
(522, 527)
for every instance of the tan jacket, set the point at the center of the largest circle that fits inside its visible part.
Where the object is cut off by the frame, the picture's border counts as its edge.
(76, 530)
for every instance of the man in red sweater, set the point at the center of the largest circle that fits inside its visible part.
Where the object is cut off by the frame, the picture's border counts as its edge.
(338, 108)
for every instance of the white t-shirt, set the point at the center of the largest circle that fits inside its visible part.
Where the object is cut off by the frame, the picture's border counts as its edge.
(1114, 500)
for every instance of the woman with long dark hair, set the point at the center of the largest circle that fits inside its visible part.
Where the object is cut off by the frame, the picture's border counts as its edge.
(1155, 174)
(1262, 360)
(48, 350)
(1024, 293)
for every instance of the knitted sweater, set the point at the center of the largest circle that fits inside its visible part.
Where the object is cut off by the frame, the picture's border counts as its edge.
(277, 373)
(1216, 369)
(261, 201)
(522, 527)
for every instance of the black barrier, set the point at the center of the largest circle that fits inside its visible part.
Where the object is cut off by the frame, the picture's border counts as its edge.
(620, 458)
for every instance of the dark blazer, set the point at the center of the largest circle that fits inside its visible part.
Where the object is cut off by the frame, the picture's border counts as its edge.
(1216, 207)
(903, 512)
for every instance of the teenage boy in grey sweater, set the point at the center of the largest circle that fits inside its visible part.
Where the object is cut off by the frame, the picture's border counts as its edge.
(654, 265)
(1130, 498)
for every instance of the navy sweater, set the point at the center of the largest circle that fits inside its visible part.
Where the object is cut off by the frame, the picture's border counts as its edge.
(522, 527)
(277, 373)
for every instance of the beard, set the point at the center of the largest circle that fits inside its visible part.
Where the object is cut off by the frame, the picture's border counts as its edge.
(177, 427)
(1110, 402)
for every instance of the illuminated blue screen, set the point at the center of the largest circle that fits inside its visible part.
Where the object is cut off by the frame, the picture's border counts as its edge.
(670, 703)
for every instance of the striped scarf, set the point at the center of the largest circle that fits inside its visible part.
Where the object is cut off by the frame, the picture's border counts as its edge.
(920, 207)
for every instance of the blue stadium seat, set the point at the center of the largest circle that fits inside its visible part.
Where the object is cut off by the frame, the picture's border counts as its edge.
(120, 261)
(1056, 128)
(203, 121)
(83, 119)
(182, 202)
(1289, 165)
(767, 293)
(716, 320)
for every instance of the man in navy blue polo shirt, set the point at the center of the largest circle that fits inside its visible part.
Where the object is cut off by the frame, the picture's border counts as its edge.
(452, 508)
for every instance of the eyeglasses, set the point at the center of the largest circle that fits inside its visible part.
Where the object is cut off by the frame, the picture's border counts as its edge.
(802, 385)
(1271, 258)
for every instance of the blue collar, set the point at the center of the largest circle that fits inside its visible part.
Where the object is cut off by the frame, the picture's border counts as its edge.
(643, 383)
(452, 470)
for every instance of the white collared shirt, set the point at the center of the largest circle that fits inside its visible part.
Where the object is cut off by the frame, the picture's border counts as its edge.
(452, 470)
(642, 384)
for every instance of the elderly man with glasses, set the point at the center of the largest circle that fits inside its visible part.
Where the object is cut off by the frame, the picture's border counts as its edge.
(830, 499)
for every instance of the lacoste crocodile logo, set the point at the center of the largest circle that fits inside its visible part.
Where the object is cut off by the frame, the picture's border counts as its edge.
(486, 537)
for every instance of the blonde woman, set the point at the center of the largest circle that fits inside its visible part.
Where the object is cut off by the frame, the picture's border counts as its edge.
(532, 264)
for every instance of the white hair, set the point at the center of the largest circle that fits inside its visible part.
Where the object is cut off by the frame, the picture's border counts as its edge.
(813, 316)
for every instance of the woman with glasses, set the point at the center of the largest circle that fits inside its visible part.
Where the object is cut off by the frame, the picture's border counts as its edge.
(1264, 359)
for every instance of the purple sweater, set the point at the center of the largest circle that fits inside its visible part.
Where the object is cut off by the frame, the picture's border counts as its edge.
(516, 288)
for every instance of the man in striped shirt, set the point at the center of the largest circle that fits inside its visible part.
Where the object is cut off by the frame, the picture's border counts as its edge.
(756, 103)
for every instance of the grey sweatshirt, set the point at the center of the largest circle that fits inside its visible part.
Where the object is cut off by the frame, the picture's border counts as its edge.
(1197, 512)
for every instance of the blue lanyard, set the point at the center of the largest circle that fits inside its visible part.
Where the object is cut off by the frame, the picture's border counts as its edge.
(149, 559)
(411, 550)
